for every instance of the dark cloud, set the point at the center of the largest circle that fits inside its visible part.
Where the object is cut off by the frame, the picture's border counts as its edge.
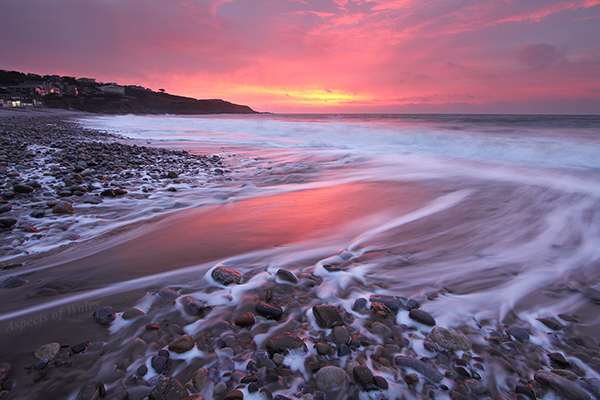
(541, 55)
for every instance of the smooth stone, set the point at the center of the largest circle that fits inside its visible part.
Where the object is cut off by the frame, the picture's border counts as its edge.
(142, 370)
(557, 360)
(194, 306)
(182, 344)
(79, 347)
(104, 315)
(132, 313)
(245, 320)
(565, 373)
(286, 276)
(168, 389)
(234, 395)
(6, 223)
(592, 385)
(269, 310)
(91, 199)
(518, 333)
(561, 386)
(426, 370)
(422, 316)
(158, 363)
(12, 282)
(327, 316)
(329, 379)
(172, 175)
(22, 188)
(475, 387)
(37, 214)
(63, 207)
(284, 341)
(551, 323)
(90, 391)
(360, 304)
(5, 208)
(381, 382)
(339, 335)
(362, 375)
(450, 340)
(391, 302)
(225, 275)
(47, 352)
(200, 378)
(380, 309)
(5, 370)
(108, 193)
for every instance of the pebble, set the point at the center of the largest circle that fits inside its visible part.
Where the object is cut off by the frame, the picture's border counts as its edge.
(168, 389)
(13, 281)
(194, 306)
(6, 223)
(327, 316)
(158, 363)
(449, 339)
(79, 347)
(90, 391)
(104, 315)
(267, 310)
(286, 276)
(391, 302)
(132, 313)
(339, 335)
(245, 320)
(283, 342)
(47, 352)
(182, 344)
(63, 207)
(199, 379)
(422, 316)
(518, 333)
(226, 276)
(561, 386)
(380, 309)
(331, 378)
(37, 214)
(362, 375)
(426, 370)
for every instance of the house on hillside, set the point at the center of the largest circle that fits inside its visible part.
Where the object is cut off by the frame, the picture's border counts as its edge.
(113, 89)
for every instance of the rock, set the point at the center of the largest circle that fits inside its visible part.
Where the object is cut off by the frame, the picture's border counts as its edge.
(561, 386)
(411, 379)
(245, 320)
(286, 276)
(104, 315)
(391, 302)
(475, 387)
(449, 339)
(269, 310)
(13, 281)
(6, 223)
(108, 193)
(551, 323)
(91, 199)
(90, 391)
(182, 344)
(142, 370)
(172, 175)
(79, 347)
(381, 382)
(63, 207)
(422, 316)
(5, 208)
(424, 369)
(360, 304)
(132, 313)
(570, 375)
(158, 363)
(22, 189)
(5, 370)
(362, 375)
(168, 389)
(200, 378)
(226, 276)
(380, 309)
(518, 333)
(592, 385)
(329, 379)
(339, 335)
(557, 360)
(124, 395)
(327, 316)
(194, 306)
(283, 342)
(234, 395)
(37, 214)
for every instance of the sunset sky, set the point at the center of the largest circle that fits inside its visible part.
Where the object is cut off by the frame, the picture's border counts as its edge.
(498, 56)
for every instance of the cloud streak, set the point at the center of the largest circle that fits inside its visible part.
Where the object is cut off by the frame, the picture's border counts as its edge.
(305, 54)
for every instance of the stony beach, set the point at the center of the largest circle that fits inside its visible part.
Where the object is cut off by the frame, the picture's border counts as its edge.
(308, 330)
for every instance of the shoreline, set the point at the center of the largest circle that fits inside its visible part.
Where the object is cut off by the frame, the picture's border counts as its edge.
(290, 312)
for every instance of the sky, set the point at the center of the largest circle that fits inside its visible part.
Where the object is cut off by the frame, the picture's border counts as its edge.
(354, 56)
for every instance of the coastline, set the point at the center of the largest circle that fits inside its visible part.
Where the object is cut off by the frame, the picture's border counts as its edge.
(293, 300)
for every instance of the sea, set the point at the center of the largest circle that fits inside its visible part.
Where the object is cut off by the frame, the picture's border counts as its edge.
(488, 221)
